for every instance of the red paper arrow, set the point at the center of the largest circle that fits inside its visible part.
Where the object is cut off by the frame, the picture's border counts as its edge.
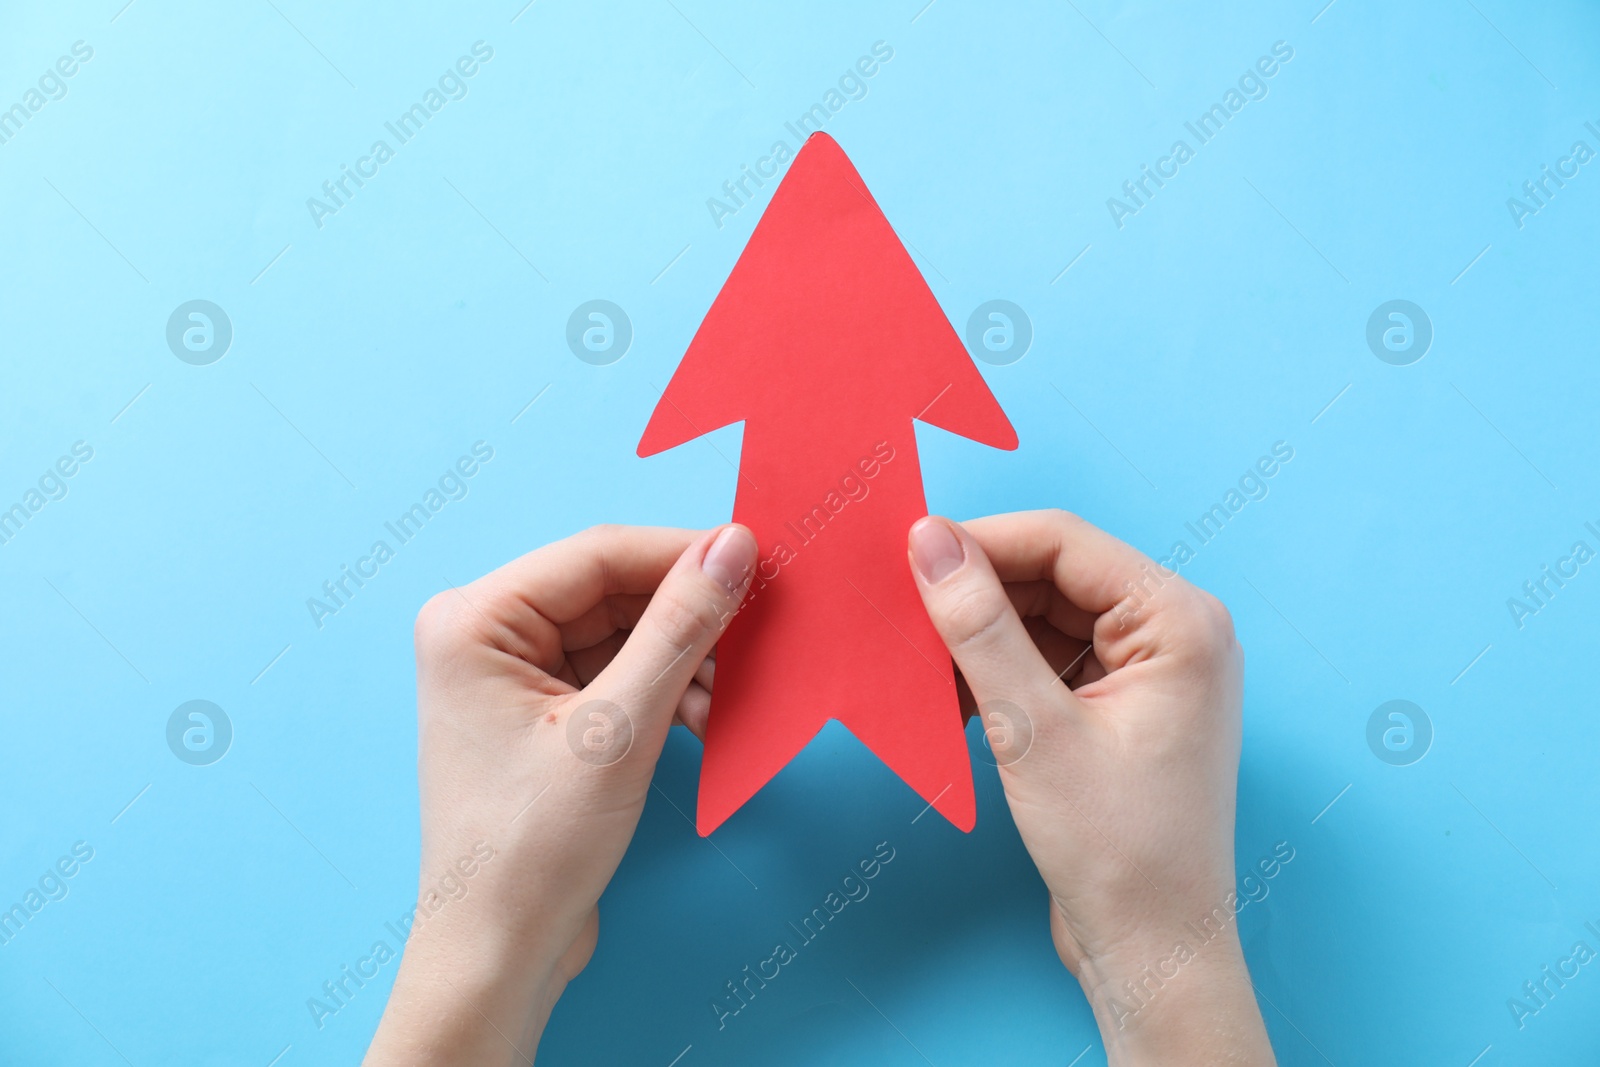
(827, 343)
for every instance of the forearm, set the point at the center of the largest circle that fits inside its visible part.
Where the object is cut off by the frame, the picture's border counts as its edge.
(1184, 1003)
(455, 1005)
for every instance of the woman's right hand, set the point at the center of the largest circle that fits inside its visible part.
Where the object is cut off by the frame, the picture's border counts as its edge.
(1111, 692)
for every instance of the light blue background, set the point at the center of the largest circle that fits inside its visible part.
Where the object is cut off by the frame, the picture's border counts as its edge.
(371, 353)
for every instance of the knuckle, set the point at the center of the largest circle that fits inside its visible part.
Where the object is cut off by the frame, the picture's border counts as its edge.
(1063, 517)
(1221, 618)
(684, 618)
(1201, 624)
(441, 624)
(597, 534)
(971, 615)
(430, 622)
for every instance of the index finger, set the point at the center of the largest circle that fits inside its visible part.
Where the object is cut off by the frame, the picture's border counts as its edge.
(1091, 568)
(524, 604)
(566, 578)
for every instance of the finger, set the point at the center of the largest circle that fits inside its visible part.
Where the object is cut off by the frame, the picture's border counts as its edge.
(565, 579)
(1140, 608)
(1092, 569)
(706, 674)
(694, 707)
(1063, 653)
(585, 664)
(1091, 671)
(620, 611)
(1041, 599)
(970, 609)
(524, 604)
(691, 608)
(607, 626)
(694, 710)
(964, 698)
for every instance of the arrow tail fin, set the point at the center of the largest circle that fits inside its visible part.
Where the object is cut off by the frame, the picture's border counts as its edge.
(850, 643)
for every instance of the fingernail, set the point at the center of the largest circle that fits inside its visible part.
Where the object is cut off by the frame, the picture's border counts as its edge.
(935, 550)
(730, 558)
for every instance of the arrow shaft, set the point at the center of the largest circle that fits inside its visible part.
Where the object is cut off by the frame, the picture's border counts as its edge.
(833, 626)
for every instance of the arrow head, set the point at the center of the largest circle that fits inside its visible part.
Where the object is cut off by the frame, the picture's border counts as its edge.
(825, 308)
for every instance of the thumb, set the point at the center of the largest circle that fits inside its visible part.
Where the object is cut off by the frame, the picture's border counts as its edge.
(970, 609)
(689, 610)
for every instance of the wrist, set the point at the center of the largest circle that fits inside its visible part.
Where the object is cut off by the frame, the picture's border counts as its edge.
(464, 999)
(1183, 999)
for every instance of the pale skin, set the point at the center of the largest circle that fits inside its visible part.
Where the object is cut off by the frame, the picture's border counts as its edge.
(1111, 692)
